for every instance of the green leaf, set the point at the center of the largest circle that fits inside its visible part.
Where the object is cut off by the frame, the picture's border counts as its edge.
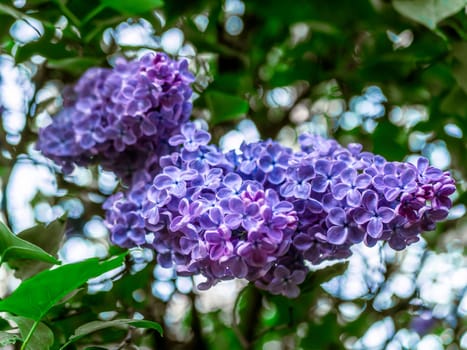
(225, 107)
(48, 237)
(74, 65)
(429, 12)
(13, 247)
(133, 7)
(35, 296)
(95, 326)
(41, 338)
(8, 338)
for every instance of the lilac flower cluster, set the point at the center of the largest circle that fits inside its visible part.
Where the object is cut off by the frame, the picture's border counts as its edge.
(260, 213)
(264, 211)
(119, 117)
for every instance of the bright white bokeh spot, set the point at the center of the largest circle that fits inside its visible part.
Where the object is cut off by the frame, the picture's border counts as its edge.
(77, 249)
(163, 289)
(456, 212)
(463, 342)
(402, 285)
(234, 7)
(281, 97)
(234, 25)
(350, 120)
(201, 22)
(95, 228)
(231, 141)
(27, 30)
(163, 274)
(431, 342)
(438, 154)
(453, 130)
(172, 40)
(184, 284)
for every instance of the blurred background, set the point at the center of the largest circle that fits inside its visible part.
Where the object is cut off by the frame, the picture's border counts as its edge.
(391, 75)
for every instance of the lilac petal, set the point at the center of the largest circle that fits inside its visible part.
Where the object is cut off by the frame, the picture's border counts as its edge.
(236, 205)
(213, 237)
(216, 252)
(386, 214)
(303, 241)
(202, 137)
(252, 210)
(233, 221)
(298, 276)
(337, 168)
(303, 191)
(281, 272)
(391, 181)
(446, 190)
(340, 190)
(337, 235)
(337, 216)
(362, 181)
(306, 172)
(391, 194)
(323, 167)
(287, 189)
(319, 184)
(408, 176)
(178, 190)
(233, 181)
(354, 198)
(375, 227)
(283, 206)
(276, 176)
(239, 268)
(361, 216)
(348, 176)
(370, 200)
(162, 181)
(265, 163)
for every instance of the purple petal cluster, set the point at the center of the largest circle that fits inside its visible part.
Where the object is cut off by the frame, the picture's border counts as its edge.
(119, 117)
(262, 212)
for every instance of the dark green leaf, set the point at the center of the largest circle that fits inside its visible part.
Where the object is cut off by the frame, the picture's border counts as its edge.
(41, 339)
(225, 107)
(95, 326)
(133, 7)
(13, 247)
(48, 237)
(74, 65)
(35, 296)
(429, 12)
(8, 338)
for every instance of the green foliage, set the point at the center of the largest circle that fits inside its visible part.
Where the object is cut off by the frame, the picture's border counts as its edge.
(132, 7)
(37, 334)
(38, 294)
(14, 248)
(225, 107)
(86, 329)
(49, 238)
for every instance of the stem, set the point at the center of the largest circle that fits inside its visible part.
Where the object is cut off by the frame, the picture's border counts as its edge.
(68, 13)
(93, 14)
(29, 336)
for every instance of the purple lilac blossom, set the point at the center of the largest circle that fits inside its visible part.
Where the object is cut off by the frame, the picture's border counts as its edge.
(262, 212)
(118, 117)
